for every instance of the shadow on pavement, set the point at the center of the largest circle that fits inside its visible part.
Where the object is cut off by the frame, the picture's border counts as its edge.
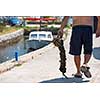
(64, 80)
(96, 53)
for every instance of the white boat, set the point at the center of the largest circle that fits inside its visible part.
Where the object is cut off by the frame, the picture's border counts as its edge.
(38, 39)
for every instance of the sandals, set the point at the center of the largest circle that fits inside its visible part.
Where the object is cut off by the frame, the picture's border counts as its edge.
(86, 71)
(77, 75)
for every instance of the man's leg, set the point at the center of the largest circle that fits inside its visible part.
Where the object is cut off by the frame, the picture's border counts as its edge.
(87, 43)
(85, 68)
(77, 60)
(75, 48)
(86, 58)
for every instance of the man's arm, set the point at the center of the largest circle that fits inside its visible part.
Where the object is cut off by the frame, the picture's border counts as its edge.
(98, 27)
(64, 21)
(63, 24)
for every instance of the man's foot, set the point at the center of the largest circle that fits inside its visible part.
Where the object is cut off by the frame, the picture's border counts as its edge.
(85, 70)
(77, 75)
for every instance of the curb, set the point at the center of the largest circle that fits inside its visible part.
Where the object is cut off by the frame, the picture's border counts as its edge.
(8, 65)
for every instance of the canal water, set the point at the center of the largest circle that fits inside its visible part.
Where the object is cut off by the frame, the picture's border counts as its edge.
(8, 52)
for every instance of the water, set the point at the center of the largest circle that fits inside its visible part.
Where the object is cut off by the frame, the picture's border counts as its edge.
(8, 52)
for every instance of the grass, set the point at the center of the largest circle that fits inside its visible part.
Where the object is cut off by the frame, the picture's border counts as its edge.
(29, 28)
(6, 30)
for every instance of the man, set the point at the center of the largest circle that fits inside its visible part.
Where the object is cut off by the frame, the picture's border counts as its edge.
(98, 27)
(81, 36)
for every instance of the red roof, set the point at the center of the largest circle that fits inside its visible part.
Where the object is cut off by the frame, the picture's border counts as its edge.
(42, 19)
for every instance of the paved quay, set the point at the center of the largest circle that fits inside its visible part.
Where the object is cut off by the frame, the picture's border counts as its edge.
(42, 66)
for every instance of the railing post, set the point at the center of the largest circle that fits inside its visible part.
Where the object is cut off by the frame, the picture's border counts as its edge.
(16, 56)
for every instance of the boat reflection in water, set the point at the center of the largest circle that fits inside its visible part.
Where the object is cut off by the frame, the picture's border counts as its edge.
(38, 39)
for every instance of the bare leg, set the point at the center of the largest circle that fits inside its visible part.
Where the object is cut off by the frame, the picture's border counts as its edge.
(77, 60)
(85, 68)
(86, 58)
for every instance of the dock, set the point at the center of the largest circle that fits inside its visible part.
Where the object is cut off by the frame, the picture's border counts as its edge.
(42, 66)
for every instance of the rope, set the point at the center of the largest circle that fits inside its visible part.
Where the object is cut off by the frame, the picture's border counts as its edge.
(59, 43)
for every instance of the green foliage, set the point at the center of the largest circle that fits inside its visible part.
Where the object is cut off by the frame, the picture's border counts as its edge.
(68, 26)
(29, 28)
(2, 27)
(46, 16)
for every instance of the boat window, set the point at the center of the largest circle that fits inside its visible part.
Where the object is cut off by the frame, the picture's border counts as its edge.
(49, 36)
(34, 35)
(42, 35)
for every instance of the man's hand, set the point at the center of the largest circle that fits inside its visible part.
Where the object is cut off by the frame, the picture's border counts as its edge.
(60, 34)
(97, 34)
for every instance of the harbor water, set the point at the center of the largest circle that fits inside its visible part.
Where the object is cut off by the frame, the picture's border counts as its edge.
(21, 47)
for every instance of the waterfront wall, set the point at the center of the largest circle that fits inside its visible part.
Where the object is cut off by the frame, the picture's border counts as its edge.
(8, 65)
(11, 37)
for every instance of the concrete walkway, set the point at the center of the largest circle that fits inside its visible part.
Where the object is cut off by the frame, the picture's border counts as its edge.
(44, 68)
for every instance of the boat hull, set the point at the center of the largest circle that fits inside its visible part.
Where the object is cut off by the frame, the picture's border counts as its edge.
(36, 44)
